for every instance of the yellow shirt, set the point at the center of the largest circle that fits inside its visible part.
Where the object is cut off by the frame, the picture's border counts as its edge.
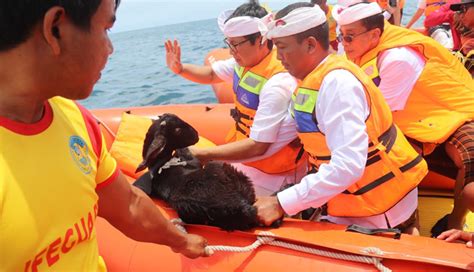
(48, 201)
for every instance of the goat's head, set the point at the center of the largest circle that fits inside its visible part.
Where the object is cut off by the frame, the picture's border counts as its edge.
(165, 135)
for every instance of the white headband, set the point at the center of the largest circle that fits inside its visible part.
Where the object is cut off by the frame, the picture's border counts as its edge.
(346, 3)
(223, 17)
(238, 26)
(348, 15)
(297, 21)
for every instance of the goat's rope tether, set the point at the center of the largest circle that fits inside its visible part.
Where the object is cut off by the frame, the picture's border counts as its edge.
(172, 162)
(268, 238)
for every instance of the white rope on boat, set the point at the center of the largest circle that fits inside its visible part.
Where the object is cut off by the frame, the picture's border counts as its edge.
(268, 238)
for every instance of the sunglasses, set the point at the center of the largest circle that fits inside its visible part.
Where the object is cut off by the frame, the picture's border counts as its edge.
(234, 46)
(464, 8)
(349, 38)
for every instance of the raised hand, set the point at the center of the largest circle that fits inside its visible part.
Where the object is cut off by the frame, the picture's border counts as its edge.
(173, 56)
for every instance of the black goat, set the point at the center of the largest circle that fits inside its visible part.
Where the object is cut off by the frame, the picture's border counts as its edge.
(216, 195)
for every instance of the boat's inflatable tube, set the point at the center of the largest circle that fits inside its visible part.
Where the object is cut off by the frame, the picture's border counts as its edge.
(212, 121)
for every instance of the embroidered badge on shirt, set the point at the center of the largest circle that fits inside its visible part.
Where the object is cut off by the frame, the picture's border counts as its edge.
(80, 153)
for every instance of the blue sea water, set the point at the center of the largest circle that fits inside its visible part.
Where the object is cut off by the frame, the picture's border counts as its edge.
(137, 75)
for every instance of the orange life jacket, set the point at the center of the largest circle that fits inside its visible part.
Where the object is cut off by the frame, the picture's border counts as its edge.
(442, 99)
(247, 84)
(331, 24)
(393, 167)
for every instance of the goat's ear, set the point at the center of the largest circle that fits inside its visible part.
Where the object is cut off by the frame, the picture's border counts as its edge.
(156, 147)
(153, 152)
(177, 131)
(141, 167)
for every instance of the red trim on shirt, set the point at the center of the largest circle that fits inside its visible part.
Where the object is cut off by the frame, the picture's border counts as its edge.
(93, 129)
(108, 181)
(30, 129)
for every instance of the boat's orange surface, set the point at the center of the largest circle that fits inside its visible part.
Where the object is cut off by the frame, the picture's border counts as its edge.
(213, 121)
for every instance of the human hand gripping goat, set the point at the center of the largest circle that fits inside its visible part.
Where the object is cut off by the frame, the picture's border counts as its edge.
(268, 210)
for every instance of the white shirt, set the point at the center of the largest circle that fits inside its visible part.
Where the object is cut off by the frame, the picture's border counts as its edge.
(399, 70)
(386, 15)
(341, 112)
(271, 124)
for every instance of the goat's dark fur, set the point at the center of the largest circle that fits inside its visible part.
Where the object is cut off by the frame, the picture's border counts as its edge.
(216, 195)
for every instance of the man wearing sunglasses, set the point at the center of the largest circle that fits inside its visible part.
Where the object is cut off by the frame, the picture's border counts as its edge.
(466, 9)
(428, 90)
(263, 143)
(346, 128)
(444, 15)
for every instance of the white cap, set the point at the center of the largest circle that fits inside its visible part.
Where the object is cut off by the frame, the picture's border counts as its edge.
(354, 13)
(347, 3)
(223, 17)
(297, 21)
(238, 26)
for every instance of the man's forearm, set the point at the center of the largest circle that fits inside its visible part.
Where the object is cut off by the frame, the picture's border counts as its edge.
(133, 213)
(235, 151)
(415, 18)
(199, 74)
(147, 224)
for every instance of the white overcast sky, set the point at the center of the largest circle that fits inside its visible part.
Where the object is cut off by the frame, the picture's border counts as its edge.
(138, 14)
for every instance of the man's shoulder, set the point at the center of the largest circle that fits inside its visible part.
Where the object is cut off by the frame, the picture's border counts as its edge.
(281, 82)
(284, 78)
(340, 77)
(401, 55)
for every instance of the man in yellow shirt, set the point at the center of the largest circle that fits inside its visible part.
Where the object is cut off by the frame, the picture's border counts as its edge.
(56, 173)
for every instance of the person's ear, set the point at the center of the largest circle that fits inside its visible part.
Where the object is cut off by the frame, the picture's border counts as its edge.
(312, 45)
(52, 21)
(375, 34)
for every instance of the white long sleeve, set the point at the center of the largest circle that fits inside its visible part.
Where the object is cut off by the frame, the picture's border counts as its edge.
(272, 123)
(395, 89)
(341, 111)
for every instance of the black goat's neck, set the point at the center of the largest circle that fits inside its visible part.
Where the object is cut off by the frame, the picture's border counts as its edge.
(160, 161)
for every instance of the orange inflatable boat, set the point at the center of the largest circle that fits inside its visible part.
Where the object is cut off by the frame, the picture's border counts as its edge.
(297, 245)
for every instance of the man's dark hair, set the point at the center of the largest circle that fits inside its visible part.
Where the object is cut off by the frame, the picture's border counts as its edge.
(374, 22)
(320, 32)
(19, 17)
(252, 9)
